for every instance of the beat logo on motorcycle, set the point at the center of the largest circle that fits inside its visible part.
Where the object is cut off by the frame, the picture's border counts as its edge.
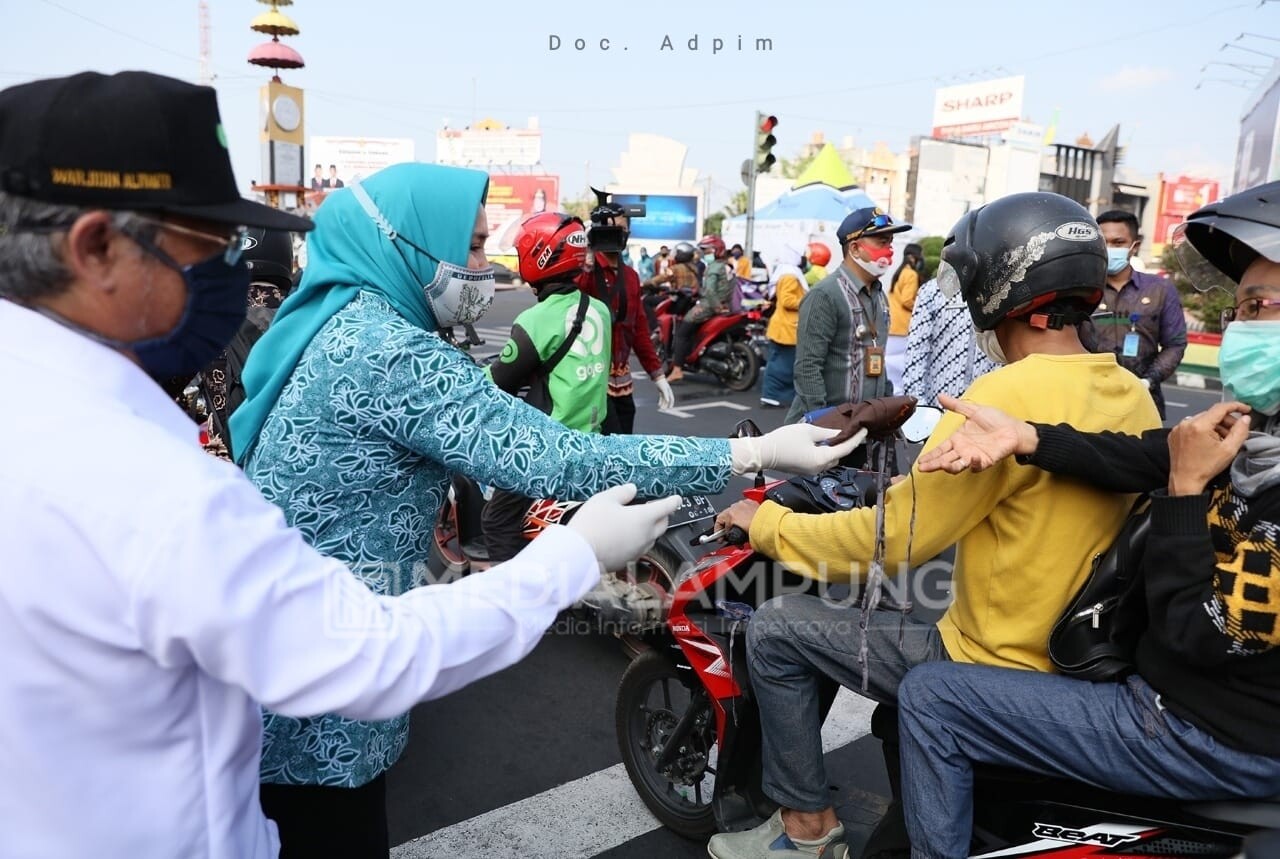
(1078, 836)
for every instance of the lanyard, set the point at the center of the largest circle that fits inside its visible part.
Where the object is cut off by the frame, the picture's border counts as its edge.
(851, 292)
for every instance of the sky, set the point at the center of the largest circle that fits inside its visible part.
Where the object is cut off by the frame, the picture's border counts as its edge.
(402, 68)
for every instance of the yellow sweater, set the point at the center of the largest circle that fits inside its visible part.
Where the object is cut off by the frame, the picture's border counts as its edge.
(902, 300)
(786, 315)
(1026, 538)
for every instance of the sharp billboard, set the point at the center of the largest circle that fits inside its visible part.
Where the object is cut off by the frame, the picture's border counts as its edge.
(978, 109)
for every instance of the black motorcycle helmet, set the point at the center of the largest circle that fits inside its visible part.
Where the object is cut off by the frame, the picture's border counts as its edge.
(685, 252)
(269, 254)
(1037, 256)
(1233, 232)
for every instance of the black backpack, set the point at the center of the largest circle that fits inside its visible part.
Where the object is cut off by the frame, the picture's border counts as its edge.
(1095, 638)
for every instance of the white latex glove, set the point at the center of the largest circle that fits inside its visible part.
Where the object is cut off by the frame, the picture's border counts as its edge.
(618, 533)
(1146, 383)
(793, 448)
(666, 396)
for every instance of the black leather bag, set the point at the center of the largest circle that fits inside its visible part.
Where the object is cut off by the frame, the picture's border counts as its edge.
(1096, 636)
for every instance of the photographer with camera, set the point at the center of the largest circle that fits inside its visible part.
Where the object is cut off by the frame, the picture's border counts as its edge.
(609, 279)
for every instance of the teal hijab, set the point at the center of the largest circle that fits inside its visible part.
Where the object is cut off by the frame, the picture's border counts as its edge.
(432, 205)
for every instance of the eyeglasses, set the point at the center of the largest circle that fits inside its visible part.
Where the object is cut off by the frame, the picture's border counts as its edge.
(1247, 310)
(232, 244)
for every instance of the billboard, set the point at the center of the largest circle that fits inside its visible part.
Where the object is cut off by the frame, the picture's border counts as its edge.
(349, 159)
(1258, 153)
(489, 143)
(668, 217)
(1179, 197)
(510, 199)
(978, 109)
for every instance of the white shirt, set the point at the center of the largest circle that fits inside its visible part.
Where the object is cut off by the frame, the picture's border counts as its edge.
(150, 600)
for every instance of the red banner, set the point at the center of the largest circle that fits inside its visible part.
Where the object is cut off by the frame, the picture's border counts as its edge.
(1179, 197)
(511, 198)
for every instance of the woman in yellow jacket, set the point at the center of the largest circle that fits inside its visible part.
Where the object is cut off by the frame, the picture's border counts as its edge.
(789, 288)
(902, 300)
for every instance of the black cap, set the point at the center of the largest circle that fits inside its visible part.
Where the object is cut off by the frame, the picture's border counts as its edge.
(133, 140)
(868, 221)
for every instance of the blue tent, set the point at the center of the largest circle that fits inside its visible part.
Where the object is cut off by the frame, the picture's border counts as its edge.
(800, 216)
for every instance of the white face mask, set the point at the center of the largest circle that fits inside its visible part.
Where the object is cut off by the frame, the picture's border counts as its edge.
(990, 346)
(459, 296)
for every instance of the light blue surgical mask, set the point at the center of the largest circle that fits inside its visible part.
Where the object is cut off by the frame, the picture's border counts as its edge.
(708, 259)
(1117, 259)
(1249, 362)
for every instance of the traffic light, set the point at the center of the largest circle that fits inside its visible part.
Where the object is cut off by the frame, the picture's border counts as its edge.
(765, 142)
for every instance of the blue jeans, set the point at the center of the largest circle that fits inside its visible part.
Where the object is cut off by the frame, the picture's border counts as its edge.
(1114, 736)
(792, 642)
(780, 374)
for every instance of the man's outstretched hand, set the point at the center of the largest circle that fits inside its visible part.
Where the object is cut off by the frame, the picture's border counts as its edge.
(987, 436)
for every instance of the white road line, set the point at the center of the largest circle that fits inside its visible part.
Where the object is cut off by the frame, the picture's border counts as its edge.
(589, 815)
(683, 411)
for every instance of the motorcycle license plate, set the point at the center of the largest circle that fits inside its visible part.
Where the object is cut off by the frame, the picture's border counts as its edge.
(692, 509)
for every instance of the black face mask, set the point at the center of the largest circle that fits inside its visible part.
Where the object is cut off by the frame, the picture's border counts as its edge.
(217, 303)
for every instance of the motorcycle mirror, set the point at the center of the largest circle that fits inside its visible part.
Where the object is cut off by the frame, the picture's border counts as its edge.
(746, 429)
(923, 421)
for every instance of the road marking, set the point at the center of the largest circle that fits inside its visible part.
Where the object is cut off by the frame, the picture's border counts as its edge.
(683, 411)
(589, 815)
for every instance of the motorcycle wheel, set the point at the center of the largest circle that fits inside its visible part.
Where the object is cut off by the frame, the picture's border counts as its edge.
(744, 367)
(445, 558)
(658, 568)
(651, 700)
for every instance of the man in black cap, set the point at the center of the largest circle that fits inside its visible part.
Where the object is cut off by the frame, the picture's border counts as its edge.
(844, 320)
(151, 601)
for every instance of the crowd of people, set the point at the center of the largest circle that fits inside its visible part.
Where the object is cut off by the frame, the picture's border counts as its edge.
(235, 646)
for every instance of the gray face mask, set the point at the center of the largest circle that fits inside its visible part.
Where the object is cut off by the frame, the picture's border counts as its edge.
(456, 295)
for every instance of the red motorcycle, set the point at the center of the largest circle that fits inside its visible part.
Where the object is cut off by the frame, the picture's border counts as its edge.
(722, 346)
(689, 729)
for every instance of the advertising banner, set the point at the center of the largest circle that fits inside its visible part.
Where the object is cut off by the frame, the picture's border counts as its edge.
(669, 217)
(510, 199)
(1179, 197)
(1258, 155)
(335, 161)
(978, 109)
(489, 143)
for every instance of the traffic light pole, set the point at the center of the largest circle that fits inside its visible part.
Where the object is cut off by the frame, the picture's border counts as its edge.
(752, 174)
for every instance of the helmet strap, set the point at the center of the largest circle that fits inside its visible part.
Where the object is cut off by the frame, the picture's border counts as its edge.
(1055, 321)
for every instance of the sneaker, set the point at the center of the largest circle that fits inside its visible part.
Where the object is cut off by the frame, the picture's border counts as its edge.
(770, 404)
(769, 840)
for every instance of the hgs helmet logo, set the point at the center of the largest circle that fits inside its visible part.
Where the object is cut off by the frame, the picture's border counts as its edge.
(1077, 231)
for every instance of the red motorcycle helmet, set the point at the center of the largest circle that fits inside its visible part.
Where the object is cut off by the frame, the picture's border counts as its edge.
(715, 244)
(550, 246)
(819, 254)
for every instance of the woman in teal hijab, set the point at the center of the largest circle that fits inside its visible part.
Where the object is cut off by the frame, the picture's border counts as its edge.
(355, 414)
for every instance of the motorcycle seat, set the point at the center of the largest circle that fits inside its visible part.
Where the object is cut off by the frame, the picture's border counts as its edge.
(1263, 813)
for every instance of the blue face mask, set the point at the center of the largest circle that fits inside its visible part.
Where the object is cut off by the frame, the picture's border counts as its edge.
(1249, 361)
(708, 259)
(1117, 260)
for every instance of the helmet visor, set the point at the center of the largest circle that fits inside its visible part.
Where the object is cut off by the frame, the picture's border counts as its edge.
(948, 280)
(1204, 275)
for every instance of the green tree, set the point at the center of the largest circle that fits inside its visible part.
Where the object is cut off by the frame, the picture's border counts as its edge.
(737, 204)
(713, 225)
(580, 207)
(1212, 292)
(791, 168)
(932, 247)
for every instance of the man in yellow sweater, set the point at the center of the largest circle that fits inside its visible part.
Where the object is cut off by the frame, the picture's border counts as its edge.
(1031, 268)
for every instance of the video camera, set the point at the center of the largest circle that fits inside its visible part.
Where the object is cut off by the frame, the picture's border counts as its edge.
(604, 235)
